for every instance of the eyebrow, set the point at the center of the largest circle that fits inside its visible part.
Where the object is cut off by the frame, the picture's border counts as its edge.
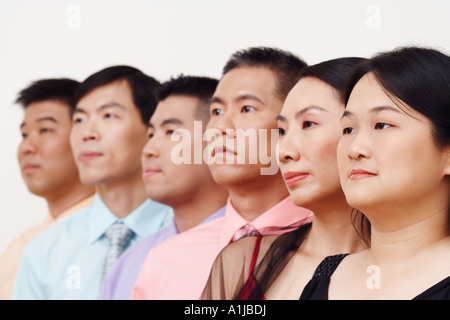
(248, 96)
(373, 110)
(41, 120)
(240, 97)
(102, 107)
(305, 110)
(166, 122)
(301, 112)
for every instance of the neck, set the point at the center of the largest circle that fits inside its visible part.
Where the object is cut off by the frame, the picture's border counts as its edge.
(406, 241)
(199, 205)
(332, 231)
(251, 201)
(123, 197)
(62, 200)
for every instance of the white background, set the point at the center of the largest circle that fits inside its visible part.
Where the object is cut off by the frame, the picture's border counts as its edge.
(62, 38)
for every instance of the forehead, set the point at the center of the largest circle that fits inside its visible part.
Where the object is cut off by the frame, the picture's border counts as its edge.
(366, 93)
(115, 92)
(54, 108)
(259, 81)
(180, 107)
(311, 91)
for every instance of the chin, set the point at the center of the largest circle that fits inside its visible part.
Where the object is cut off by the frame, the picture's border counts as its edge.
(91, 181)
(361, 203)
(302, 201)
(227, 176)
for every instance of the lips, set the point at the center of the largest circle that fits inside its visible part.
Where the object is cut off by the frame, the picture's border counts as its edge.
(149, 171)
(292, 178)
(222, 150)
(86, 156)
(28, 168)
(358, 174)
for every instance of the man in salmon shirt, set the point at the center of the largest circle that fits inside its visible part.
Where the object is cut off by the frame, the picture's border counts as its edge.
(249, 97)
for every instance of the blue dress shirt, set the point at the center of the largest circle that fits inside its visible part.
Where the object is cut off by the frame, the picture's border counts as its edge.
(66, 260)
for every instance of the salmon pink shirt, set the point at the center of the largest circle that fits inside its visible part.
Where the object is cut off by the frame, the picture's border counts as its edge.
(178, 268)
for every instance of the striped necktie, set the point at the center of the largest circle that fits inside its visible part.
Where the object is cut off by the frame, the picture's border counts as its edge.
(119, 236)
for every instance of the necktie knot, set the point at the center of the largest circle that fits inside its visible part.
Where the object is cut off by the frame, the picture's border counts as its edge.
(245, 231)
(118, 235)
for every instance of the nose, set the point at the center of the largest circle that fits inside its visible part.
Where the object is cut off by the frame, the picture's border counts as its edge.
(28, 145)
(150, 149)
(359, 147)
(223, 123)
(288, 148)
(90, 131)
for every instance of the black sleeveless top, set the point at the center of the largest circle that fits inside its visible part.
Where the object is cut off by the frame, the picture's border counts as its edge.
(317, 287)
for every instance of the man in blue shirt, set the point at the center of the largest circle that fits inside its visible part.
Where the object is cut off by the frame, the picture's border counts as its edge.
(70, 259)
(187, 186)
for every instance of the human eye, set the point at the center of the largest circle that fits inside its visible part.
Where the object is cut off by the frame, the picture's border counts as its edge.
(109, 115)
(281, 132)
(246, 109)
(348, 130)
(24, 135)
(216, 112)
(77, 120)
(308, 124)
(45, 130)
(382, 125)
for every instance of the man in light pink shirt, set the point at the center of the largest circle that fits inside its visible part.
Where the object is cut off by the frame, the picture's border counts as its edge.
(248, 98)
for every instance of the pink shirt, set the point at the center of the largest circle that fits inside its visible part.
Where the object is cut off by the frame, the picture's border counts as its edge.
(178, 268)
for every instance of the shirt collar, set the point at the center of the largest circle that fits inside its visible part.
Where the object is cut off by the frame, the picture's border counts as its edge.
(149, 217)
(282, 214)
(76, 207)
(219, 213)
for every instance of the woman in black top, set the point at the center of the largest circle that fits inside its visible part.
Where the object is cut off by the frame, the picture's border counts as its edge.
(394, 164)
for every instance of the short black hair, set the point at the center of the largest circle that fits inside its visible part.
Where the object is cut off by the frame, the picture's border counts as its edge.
(284, 64)
(198, 87)
(142, 87)
(335, 72)
(59, 89)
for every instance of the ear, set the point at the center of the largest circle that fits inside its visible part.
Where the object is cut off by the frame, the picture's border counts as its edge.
(447, 161)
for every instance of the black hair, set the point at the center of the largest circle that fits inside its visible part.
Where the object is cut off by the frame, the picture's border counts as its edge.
(418, 77)
(334, 72)
(60, 89)
(142, 87)
(284, 64)
(201, 88)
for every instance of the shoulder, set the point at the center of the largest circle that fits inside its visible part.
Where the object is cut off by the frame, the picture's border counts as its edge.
(199, 242)
(57, 233)
(328, 265)
(245, 248)
(200, 234)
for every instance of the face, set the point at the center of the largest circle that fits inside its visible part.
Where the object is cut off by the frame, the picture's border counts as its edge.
(387, 156)
(44, 155)
(108, 135)
(310, 130)
(244, 102)
(167, 179)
